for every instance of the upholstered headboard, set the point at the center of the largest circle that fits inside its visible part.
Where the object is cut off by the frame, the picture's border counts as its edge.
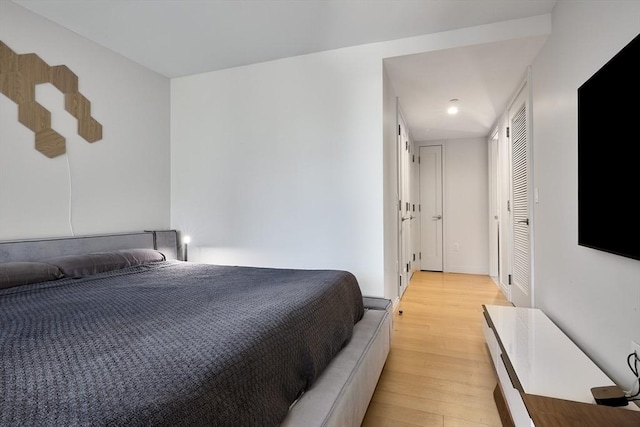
(165, 241)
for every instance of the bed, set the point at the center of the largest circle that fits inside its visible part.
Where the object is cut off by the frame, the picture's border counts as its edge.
(115, 330)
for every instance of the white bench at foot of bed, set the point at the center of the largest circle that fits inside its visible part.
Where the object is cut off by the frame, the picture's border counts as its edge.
(342, 394)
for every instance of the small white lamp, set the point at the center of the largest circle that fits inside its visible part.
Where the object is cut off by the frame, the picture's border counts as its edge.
(186, 240)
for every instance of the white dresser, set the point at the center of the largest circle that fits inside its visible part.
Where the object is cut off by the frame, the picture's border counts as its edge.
(542, 374)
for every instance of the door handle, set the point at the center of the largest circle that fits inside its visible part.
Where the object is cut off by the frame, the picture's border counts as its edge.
(524, 221)
(405, 219)
(436, 217)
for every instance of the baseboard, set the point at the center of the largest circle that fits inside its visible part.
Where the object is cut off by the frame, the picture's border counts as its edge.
(461, 269)
(396, 305)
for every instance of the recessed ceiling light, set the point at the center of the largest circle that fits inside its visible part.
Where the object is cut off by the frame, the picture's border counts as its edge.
(453, 108)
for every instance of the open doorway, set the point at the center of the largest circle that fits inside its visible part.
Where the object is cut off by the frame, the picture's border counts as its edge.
(482, 78)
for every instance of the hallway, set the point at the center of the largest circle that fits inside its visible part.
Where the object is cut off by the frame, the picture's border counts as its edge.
(438, 372)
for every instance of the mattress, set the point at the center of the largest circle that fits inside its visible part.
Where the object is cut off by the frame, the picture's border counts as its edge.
(171, 343)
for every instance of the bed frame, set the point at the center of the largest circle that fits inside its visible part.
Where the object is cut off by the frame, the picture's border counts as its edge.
(39, 249)
(341, 394)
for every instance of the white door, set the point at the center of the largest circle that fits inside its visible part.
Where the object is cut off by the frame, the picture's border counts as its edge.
(494, 226)
(404, 207)
(519, 137)
(414, 184)
(431, 208)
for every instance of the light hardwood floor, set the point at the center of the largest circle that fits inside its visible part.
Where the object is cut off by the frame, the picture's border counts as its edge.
(439, 371)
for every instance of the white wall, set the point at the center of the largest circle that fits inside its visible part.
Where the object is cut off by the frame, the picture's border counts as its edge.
(593, 296)
(120, 183)
(276, 164)
(281, 163)
(390, 189)
(465, 204)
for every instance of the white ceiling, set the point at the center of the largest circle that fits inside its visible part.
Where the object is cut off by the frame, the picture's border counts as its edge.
(482, 77)
(184, 37)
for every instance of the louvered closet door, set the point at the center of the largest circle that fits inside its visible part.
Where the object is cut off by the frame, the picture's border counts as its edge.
(519, 135)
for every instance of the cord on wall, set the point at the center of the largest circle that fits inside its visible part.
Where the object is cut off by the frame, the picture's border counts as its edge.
(70, 196)
(630, 395)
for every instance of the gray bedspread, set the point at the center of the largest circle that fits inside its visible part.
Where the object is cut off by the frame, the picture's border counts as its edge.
(170, 344)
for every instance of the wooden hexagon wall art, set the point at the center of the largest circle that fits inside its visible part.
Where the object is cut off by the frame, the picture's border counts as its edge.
(19, 75)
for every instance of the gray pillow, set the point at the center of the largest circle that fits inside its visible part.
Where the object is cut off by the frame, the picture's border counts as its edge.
(142, 256)
(99, 262)
(23, 273)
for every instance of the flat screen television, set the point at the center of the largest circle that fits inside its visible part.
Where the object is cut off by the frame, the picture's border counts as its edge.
(609, 156)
